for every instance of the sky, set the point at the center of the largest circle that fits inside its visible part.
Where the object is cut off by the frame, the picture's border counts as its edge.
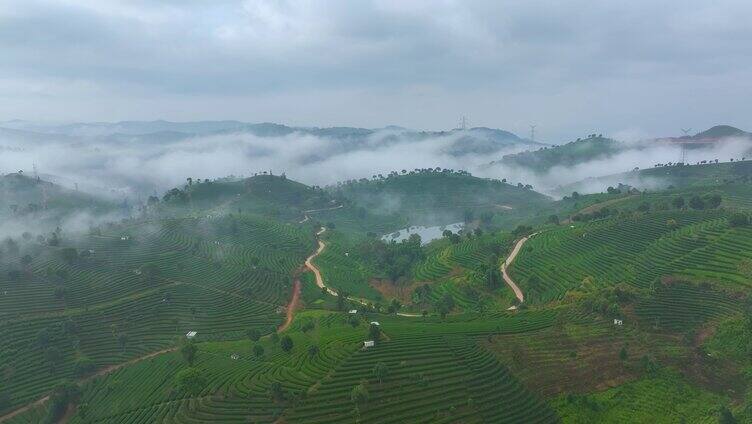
(626, 69)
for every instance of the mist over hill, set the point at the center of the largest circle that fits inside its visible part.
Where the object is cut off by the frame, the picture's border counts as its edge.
(556, 169)
(132, 159)
(135, 159)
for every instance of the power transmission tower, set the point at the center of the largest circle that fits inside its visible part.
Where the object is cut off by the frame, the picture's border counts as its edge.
(463, 123)
(686, 132)
(532, 132)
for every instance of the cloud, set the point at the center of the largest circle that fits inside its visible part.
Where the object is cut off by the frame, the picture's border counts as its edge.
(573, 67)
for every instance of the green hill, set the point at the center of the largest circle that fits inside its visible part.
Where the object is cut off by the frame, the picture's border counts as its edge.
(570, 154)
(721, 131)
(435, 197)
(670, 176)
(635, 305)
(32, 203)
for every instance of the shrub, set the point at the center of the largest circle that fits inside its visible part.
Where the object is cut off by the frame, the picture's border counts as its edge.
(696, 203)
(188, 351)
(739, 219)
(286, 343)
(253, 334)
(83, 366)
(190, 381)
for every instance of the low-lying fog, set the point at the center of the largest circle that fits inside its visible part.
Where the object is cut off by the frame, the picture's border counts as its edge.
(133, 166)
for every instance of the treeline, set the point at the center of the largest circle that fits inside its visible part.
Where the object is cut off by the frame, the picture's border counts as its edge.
(394, 260)
(696, 202)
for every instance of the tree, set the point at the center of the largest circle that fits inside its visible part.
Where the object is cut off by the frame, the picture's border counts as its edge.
(713, 201)
(341, 299)
(725, 416)
(254, 334)
(696, 203)
(190, 381)
(188, 351)
(739, 219)
(623, 354)
(286, 343)
(394, 306)
(678, 202)
(313, 350)
(380, 371)
(63, 394)
(374, 333)
(553, 219)
(258, 350)
(353, 321)
(276, 392)
(83, 366)
(359, 394)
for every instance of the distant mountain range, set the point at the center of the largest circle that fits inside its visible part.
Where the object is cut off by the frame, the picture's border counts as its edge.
(478, 140)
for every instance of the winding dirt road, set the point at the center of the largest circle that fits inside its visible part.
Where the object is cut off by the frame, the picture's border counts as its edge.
(320, 280)
(515, 288)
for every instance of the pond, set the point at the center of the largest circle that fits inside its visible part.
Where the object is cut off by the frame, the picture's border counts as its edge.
(427, 234)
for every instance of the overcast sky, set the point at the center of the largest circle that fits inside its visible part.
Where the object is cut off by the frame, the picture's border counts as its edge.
(627, 68)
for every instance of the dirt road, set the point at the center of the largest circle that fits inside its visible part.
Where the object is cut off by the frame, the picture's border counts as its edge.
(292, 306)
(515, 288)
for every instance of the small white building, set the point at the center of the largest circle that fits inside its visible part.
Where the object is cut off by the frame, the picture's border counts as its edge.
(190, 334)
(618, 321)
(368, 343)
(375, 323)
(353, 311)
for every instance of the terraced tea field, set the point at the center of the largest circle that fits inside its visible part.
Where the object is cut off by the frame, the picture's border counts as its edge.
(636, 250)
(140, 287)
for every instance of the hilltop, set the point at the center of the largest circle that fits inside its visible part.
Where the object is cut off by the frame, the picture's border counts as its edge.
(34, 201)
(267, 194)
(710, 136)
(569, 154)
(703, 174)
(438, 196)
(598, 147)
